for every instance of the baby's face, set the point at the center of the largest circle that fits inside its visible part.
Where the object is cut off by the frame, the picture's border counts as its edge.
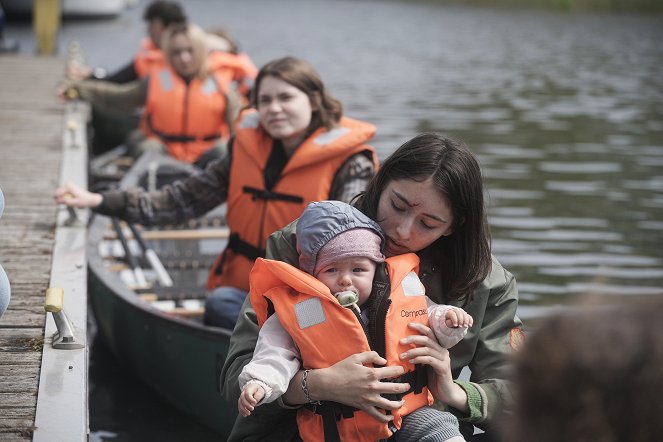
(354, 274)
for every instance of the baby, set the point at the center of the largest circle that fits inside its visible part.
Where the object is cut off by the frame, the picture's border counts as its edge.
(341, 248)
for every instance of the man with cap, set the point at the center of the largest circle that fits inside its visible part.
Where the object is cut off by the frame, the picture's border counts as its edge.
(320, 313)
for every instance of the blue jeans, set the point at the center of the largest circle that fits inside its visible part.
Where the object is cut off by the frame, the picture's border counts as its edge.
(5, 291)
(222, 307)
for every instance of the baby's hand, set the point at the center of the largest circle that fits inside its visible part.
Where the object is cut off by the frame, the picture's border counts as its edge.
(251, 395)
(450, 324)
(457, 317)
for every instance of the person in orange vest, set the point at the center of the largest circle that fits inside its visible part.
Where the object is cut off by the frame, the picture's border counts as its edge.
(345, 289)
(428, 198)
(188, 110)
(293, 147)
(158, 16)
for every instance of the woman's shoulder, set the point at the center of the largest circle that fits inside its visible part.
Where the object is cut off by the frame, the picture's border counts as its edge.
(498, 277)
(282, 244)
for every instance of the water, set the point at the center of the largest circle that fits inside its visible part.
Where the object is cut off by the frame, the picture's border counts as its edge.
(564, 111)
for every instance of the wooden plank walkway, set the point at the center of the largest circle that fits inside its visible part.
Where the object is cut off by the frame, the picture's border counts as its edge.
(31, 122)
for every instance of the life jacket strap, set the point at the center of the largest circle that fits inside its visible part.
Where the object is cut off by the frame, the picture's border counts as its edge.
(331, 413)
(265, 194)
(417, 378)
(240, 247)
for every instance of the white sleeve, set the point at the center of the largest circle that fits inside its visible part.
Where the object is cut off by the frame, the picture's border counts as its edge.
(275, 361)
(446, 336)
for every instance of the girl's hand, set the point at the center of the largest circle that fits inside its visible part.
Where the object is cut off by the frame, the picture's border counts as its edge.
(440, 378)
(74, 196)
(351, 383)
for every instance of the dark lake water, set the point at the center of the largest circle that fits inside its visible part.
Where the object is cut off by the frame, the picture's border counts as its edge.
(564, 111)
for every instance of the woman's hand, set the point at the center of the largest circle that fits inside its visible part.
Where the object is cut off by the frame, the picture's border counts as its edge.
(74, 196)
(351, 383)
(66, 91)
(440, 378)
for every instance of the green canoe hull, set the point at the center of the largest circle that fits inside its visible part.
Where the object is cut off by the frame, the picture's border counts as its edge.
(179, 359)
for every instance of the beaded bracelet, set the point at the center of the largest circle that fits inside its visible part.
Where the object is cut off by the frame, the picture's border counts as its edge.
(305, 388)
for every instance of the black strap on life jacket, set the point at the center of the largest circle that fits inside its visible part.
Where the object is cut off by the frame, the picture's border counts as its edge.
(177, 138)
(266, 195)
(332, 412)
(378, 306)
(239, 247)
(417, 378)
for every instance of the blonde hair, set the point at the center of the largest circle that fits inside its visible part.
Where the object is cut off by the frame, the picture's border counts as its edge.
(197, 37)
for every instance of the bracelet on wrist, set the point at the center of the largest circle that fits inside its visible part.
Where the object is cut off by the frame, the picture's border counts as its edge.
(305, 388)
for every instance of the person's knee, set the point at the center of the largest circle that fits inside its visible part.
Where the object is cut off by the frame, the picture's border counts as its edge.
(222, 307)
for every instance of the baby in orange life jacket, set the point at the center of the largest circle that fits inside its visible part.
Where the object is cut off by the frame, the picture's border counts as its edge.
(340, 251)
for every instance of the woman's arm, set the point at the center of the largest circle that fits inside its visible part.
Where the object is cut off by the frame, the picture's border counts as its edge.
(176, 203)
(500, 335)
(440, 378)
(352, 177)
(352, 383)
(119, 97)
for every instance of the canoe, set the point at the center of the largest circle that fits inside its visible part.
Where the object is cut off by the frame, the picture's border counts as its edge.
(155, 330)
(106, 170)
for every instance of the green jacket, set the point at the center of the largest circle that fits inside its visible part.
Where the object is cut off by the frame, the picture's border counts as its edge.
(485, 350)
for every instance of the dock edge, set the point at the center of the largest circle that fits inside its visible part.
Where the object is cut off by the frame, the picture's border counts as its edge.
(62, 402)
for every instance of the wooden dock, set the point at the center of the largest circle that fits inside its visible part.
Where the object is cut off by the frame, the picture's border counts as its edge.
(32, 156)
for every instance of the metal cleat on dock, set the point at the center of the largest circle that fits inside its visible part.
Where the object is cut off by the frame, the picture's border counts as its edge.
(65, 338)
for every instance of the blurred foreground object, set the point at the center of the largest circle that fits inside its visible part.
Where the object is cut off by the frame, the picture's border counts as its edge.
(592, 374)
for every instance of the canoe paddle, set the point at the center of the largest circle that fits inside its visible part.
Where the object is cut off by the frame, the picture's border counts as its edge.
(138, 272)
(151, 256)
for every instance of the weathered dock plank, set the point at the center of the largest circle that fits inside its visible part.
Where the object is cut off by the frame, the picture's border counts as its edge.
(31, 122)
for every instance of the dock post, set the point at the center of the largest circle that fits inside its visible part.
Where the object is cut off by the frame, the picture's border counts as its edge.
(46, 23)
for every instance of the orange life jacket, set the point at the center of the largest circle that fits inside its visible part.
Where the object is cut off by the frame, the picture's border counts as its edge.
(255, 212)
(188, 118)
(148, 58)
(326, 333)
(237, 69)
